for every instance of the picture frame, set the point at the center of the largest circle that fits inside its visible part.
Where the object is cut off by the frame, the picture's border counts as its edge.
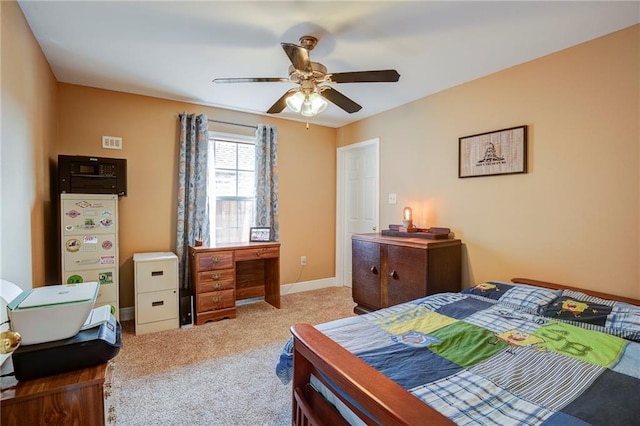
(259, 234)
(500, 152)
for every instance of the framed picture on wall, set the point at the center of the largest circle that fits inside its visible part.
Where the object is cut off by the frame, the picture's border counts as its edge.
(500, 152)
(259, 233)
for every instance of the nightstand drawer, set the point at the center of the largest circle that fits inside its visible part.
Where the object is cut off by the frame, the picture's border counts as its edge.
(216, 300)
(214, 260)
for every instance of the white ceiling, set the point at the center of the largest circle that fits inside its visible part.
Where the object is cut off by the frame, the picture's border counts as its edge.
(174, 49)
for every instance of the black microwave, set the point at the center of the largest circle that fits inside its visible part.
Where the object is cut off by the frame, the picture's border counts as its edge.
(92, 175)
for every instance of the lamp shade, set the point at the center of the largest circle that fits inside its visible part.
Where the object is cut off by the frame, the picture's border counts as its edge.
(295, 101)
(313, 104)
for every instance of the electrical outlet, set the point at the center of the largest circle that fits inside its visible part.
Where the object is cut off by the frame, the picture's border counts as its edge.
(112, 142)
(303, 260)
(392, 198)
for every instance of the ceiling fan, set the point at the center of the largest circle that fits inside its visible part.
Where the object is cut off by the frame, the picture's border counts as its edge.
(312, 77)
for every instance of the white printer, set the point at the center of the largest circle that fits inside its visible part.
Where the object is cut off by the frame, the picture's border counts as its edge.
(54, 312)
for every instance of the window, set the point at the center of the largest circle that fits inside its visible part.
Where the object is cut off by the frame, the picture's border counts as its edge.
(231, 186)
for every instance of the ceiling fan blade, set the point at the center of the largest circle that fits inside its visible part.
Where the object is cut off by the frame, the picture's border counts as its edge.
(380, 76)
(250, 80)
(298, 55)
(340, 100)
(281, 103)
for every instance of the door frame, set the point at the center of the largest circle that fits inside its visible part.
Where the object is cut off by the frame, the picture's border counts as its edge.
(341, 205)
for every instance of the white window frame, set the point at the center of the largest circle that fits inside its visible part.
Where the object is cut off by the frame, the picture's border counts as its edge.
(230, 137)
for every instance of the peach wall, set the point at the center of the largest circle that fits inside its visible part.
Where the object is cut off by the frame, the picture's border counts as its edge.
(573, 218)
(149, 128)
(29, 95)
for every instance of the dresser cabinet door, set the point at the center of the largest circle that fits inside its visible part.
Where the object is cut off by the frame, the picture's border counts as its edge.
(366, 274)
(405, 274)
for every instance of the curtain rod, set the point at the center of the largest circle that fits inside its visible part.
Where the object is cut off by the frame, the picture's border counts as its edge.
(234, 124)
(228, 122)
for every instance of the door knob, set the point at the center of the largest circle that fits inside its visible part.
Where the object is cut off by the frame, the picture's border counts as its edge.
(374, 270)
(374, 228)
(392, 274)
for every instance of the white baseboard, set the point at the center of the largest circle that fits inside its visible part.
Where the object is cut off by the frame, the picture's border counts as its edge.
(128, 313)
(308, 285)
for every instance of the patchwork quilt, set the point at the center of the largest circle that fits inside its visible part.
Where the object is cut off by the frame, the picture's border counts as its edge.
(503, 354)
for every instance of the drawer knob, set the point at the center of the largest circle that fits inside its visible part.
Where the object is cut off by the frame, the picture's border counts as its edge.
(216, 299)
(215, 259)
(216, 276)
(217, 286)
(374, 270)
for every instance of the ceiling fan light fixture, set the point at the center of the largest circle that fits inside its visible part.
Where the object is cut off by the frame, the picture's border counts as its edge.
(313, 105)
(295, 101)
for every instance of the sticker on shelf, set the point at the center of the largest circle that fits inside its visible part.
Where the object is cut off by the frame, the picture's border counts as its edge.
(90, 239)
(69, 228)
(106, 212)
(75, 279)
(107, 260)
(106, 245)
(91, 213)
(106, 222)
(73, 214)
(89, 223)
(87, 262)
(105, 278)
(72, 245)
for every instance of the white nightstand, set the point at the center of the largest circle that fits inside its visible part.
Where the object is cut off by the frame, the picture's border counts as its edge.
(156, 287)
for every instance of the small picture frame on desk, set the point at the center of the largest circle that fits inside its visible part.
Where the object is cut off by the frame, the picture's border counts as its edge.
(259, 234)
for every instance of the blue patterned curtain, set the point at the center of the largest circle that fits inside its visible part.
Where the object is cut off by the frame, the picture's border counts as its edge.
(266, 209)
(193, 206)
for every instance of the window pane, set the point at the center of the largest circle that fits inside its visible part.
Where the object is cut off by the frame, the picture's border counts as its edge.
(246, 184)
(246, 157)
(232, 189)
(225, 183)
(225, 156)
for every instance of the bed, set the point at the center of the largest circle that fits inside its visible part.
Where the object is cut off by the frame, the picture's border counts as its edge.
(524, 352)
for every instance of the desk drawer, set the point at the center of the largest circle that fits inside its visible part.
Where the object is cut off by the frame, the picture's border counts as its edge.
(257, 253)
(216, 300)
(209, 261)
(215, 280)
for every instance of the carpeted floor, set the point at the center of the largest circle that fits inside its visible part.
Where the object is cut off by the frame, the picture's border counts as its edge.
(219, 373)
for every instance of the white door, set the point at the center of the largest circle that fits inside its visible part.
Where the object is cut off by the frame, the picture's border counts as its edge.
(358, 200)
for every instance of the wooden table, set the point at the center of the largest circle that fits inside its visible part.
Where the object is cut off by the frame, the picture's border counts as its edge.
(80, 397)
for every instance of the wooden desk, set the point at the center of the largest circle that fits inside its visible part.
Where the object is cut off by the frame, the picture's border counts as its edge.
(80, 397)
(223, 274)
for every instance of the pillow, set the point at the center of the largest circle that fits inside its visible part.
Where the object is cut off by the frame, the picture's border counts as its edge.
(521, 296)
(616, 318)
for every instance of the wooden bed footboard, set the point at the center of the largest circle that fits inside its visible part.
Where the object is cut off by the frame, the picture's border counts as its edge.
(385, 401)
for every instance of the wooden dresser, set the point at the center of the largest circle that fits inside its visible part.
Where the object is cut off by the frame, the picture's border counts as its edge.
(392, 270)
(81, 397)
(226, 273)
